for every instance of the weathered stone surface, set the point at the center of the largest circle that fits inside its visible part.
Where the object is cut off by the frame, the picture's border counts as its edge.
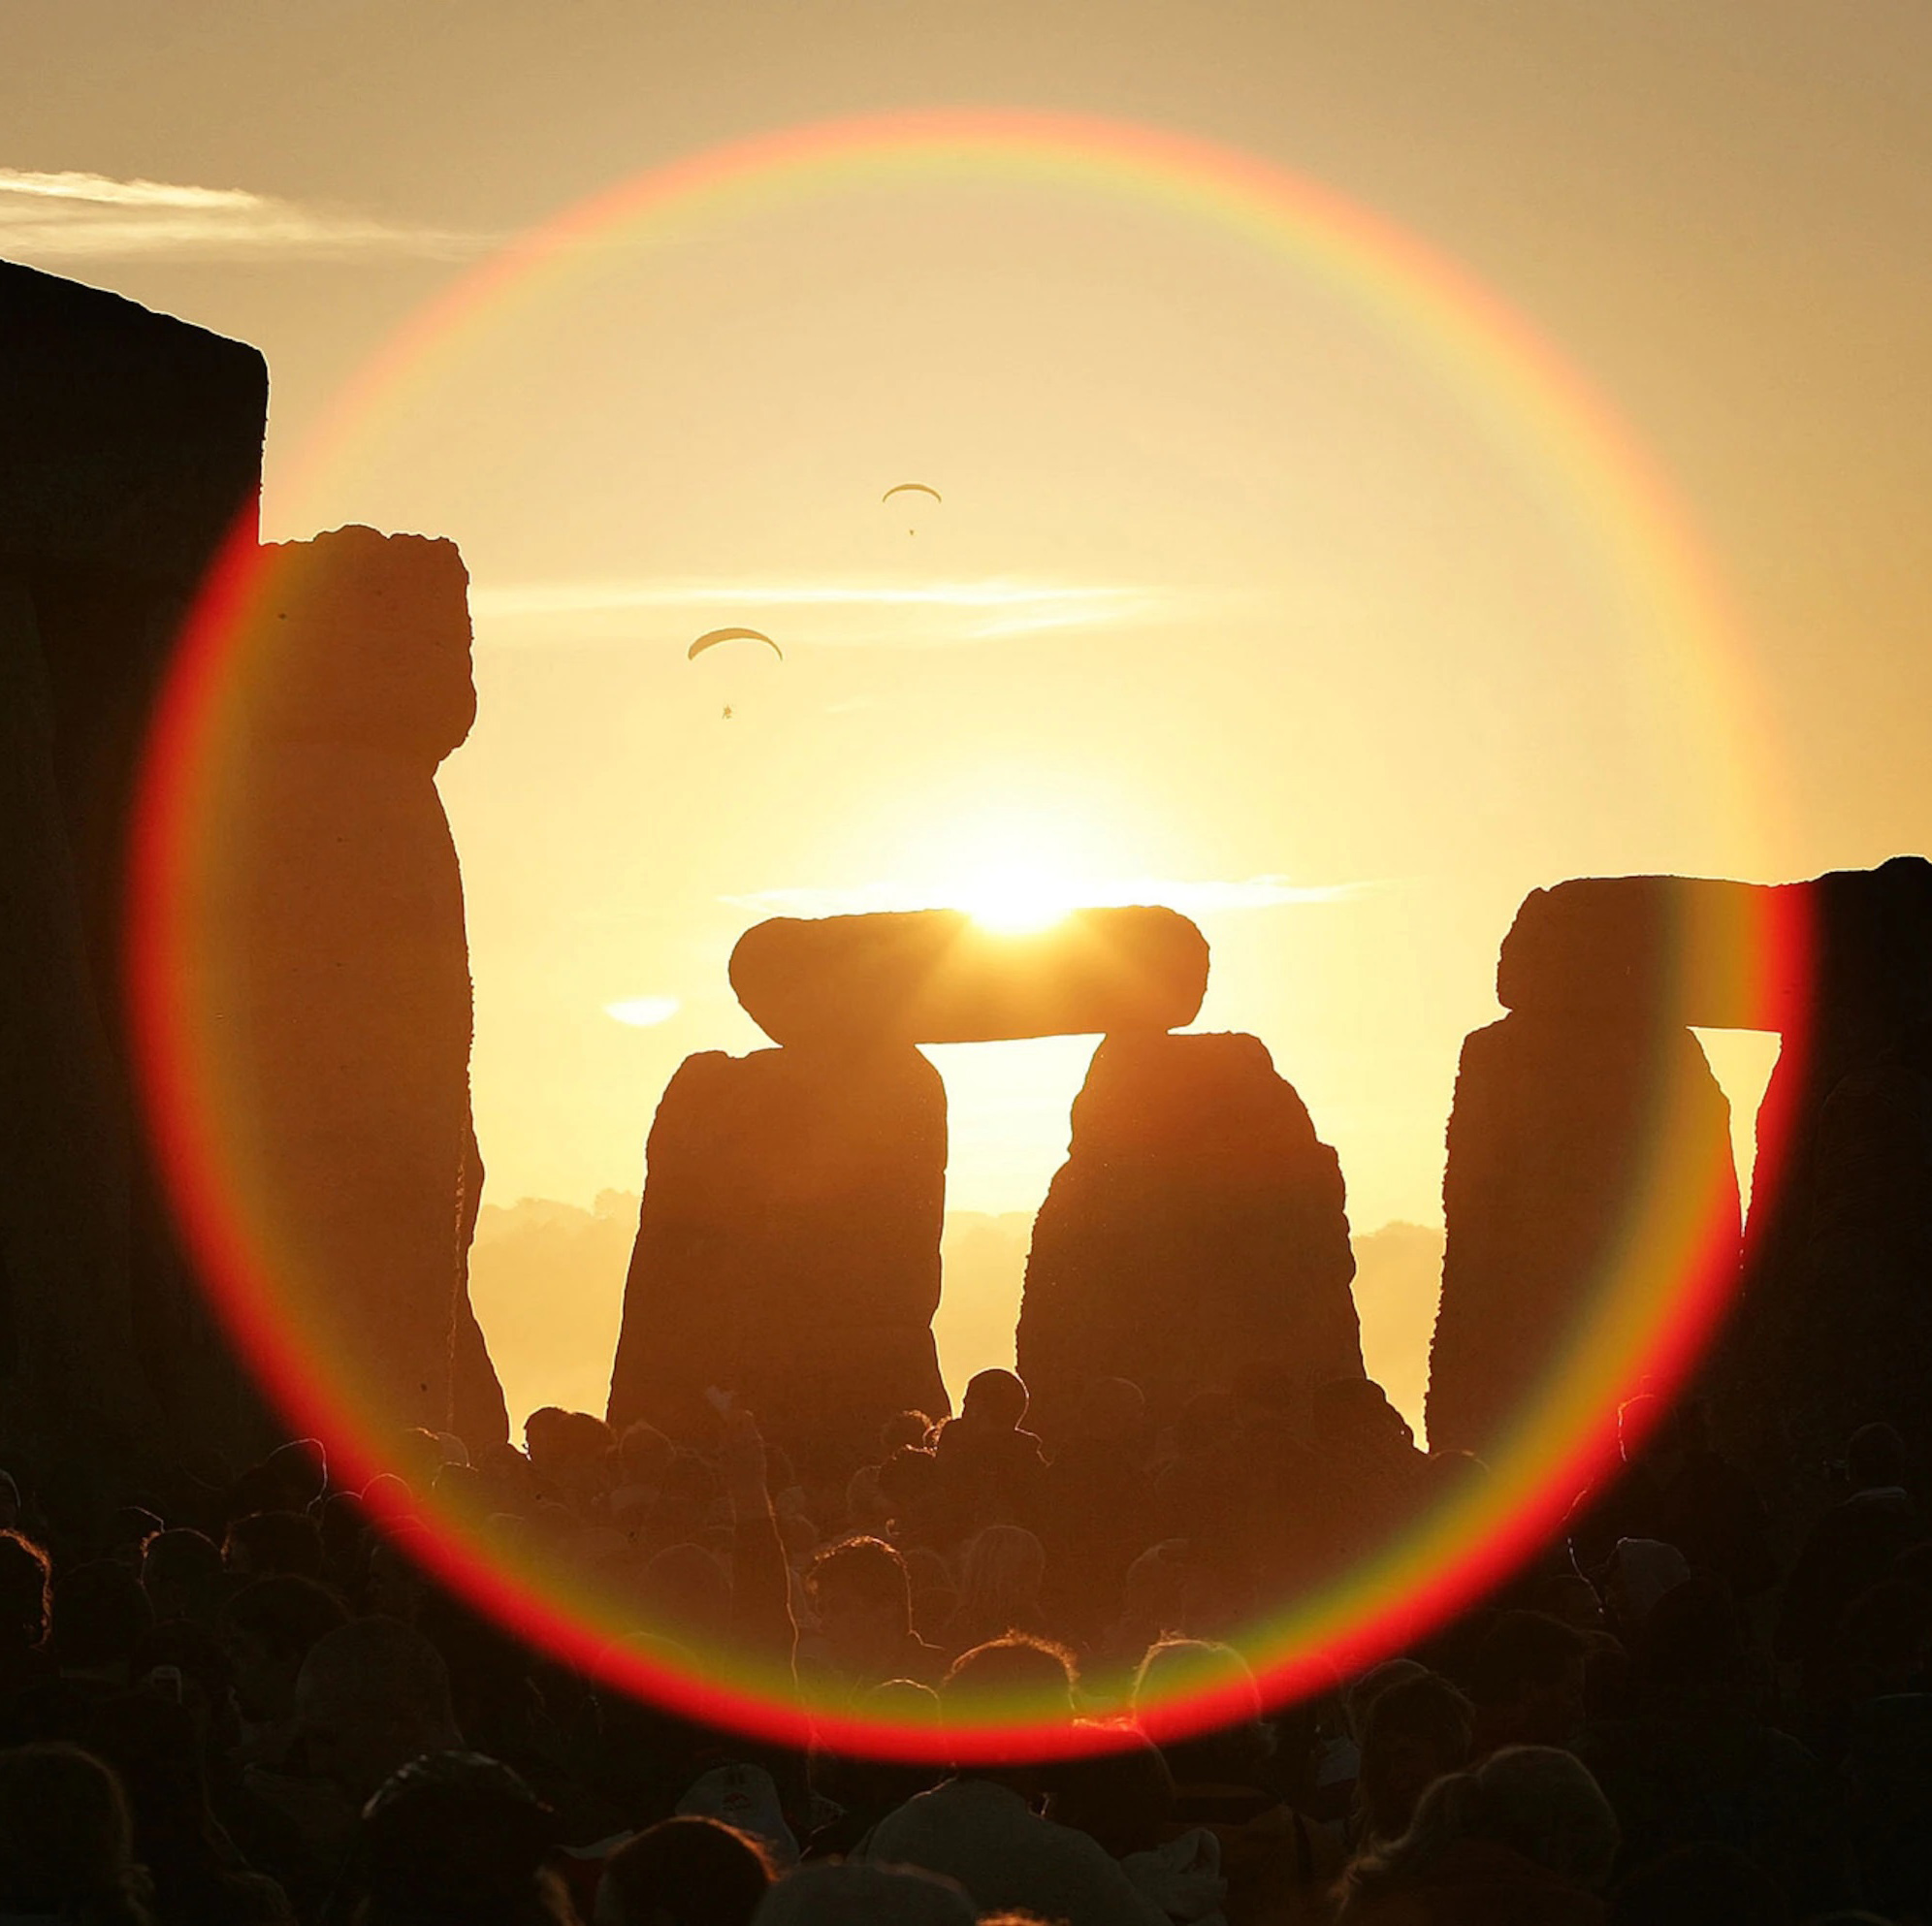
(1682, 950)
(1834, 1326)
(1561, 1111)
(132, 442)
(1197, 1232)
(938, 976)
(130, 448)
(1570, 1140)
(1851, 946)
(788, 1247)
(335, 970)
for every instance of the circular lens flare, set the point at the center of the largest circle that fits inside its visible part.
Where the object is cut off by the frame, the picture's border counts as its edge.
(1663, 1279)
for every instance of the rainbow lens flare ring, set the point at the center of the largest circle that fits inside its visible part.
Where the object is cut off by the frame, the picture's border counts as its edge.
(1665, 1281)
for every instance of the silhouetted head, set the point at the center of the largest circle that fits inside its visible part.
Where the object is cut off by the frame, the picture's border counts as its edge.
(398, 1580)
(997, 1398)
(301, 1468)
(1110, 1411)
(371, 1696)
(1643, 1571)
(100, 1612)
(1001, 1572)
(863, 1599)
(1658, 1432)
(687, 1592)
(1015, 1677)
(1356, 1411)
(269, 1543)
(643, 1453)
(684, 1872)
(186, 1663)
(267, 1630)
(1120, 1798)
(1361, 1694)
(903, 1428)
(879, 1785)
(66, 1840)
(1237, 1748)
(1537, 1801)
(906, 1479)
(852, 1894)
(1413, 1733)
(1526, 1674)
(152, 1747)
(454, 1837)
(25, 1590)
(1570, 1597)
(181, 1573)
(1876, 1457)
(1543, 1803)
(388, 1500)
(542, 1432)
(1693, 1650)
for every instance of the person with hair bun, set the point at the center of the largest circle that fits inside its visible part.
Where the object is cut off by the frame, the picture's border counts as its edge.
(66, 1841)
(1526, 1838)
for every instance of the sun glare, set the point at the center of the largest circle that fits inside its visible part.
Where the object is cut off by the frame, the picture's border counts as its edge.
(1015, 870)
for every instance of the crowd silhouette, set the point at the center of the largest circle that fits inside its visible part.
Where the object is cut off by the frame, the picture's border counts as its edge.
(238, 1698)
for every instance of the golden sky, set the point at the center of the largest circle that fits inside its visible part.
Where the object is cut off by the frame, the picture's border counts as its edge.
(1233, 599)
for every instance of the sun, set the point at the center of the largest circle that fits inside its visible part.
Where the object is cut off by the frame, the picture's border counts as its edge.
(1016, 869)
(1019, 899)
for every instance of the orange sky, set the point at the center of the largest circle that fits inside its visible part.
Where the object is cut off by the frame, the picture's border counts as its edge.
(1231, 598)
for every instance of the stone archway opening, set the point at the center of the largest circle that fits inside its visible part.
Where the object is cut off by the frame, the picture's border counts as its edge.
(788, 1247)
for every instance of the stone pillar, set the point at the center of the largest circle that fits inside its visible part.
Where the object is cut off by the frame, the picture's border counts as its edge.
(1558, 1120)
(130, 449)
(1562, 1125)
(788, 1247)
(1835, 1325)
(336, 995)
(1196, 1234)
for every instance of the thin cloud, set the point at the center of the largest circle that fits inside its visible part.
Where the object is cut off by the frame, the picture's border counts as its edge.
(641, 1012)
(861, 613)
(75, 215)
(1192, 897)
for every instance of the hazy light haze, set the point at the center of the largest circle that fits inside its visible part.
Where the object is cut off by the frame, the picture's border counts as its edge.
(1233, 598)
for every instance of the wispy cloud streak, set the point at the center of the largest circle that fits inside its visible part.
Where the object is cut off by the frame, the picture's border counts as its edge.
(1193, 897)
(74, 215)
(915, 612)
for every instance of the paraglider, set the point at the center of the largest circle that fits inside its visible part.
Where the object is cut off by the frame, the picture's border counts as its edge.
(711, 638)
(911, 487)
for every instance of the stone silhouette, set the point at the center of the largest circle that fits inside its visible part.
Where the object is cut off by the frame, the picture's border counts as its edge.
(938, 976)
(1196, 1234)
(336, 973)
(1589, 1110)
(130, 450)
(788, 1248)
(1565, 1127)
(1834, 1327)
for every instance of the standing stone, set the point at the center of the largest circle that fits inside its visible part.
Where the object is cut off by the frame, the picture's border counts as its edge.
(1834, 1327)
(1564, 1127)
(1196, 1234)
(788, 1248)
(335, 996)
(1590, 1099)
(130, 450)
(941, 976)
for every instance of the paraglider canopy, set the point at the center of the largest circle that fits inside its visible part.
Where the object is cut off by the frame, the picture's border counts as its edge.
(909, 487)
(711, 638)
